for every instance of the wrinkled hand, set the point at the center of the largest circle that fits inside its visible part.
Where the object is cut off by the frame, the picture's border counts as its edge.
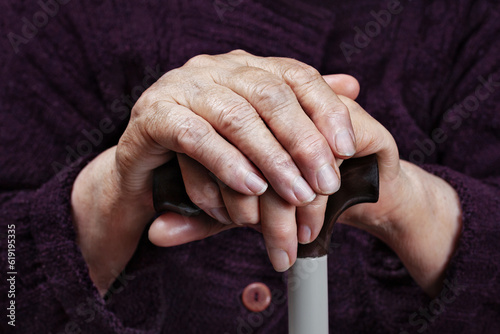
(259, 141)
(418, 214)
(248, 120)
(279, 218)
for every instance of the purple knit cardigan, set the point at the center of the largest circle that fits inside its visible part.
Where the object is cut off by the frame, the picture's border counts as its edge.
(70, 72)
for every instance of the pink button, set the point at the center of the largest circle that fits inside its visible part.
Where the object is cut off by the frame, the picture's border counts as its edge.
(256, 297)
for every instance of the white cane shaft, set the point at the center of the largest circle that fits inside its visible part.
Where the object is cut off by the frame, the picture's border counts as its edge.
(308, 296)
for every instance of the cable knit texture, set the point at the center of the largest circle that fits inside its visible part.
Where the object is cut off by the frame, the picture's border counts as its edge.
(429, 73)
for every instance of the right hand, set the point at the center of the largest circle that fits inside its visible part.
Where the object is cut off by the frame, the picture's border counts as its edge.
(239, 116)
(249, 121)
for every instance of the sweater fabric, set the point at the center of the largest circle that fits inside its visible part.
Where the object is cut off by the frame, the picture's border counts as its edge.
(71, 71)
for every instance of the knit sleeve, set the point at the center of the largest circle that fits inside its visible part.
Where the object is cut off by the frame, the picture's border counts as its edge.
(55, 117)
(47, 265)
(471, 291)
(464, 149)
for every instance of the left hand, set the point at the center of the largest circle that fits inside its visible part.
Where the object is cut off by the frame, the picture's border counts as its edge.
(418, 214)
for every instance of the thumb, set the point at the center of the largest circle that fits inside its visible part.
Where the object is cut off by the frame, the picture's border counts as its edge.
(172, 229)
(343, 84)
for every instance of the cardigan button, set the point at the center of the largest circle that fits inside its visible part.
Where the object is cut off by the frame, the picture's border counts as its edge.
(256, 297)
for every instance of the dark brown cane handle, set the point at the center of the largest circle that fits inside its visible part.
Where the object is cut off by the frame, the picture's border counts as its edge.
(359, 184)
(359, 177)
(169, 193)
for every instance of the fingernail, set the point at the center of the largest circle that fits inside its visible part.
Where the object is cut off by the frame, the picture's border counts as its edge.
(280, 260)
(344, 143)
(302, 191)
(255, 183)
(304, 234)
(221, 215)
(328, 181)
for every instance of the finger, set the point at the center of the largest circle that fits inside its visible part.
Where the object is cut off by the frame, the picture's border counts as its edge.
(326, 110)
(343, 84)
(242, 209)
(178, 129)
(310, 219)
(172, 229)
(236, 119)
(202, 189)
(374, 138)
(279, 230)
(317, 99)
(277, 105)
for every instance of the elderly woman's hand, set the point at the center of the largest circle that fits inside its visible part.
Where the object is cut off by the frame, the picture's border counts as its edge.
(418, 214)
(272, 132)
(252, 122)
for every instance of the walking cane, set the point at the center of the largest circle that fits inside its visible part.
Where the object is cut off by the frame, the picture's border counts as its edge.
(308, 277)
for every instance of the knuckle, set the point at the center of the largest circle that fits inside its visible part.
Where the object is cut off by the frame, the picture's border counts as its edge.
(237, 116)
(211, 191)
(301, 73)
(137, 141)
(206, 198)
(274, 94)
(124, 155)
(175, 82)
(238, 52)
(166, 90)
(150, 119)
(282, 162)
(310, 147)
(191, 134)
(137, 111)
(340, 109)
(200, 60)
(337, 115)
(278, 162)
(197, 198)
(144, 103)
